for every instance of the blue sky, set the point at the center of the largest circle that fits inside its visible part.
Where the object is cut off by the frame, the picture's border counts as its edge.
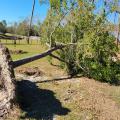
(16, 10)
(112, 17)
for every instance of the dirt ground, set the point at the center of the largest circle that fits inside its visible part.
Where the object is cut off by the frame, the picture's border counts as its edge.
(62, 98)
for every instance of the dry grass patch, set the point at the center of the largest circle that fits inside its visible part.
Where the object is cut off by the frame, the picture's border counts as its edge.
(87, 99)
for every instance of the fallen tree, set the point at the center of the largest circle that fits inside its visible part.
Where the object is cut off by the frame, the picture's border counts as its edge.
(35, 57)
(7, 80)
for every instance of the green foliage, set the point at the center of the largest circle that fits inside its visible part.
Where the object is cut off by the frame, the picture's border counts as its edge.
(93, 47)
(3, 25)
(56, 5)
(10, 29)
(23, 28)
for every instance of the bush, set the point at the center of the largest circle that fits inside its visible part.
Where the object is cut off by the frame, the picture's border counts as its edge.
(93, 46)
(94, 59)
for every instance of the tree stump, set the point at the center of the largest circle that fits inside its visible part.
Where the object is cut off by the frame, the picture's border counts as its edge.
(7, 82)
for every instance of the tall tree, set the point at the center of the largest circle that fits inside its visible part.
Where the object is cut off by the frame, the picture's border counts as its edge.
(3, 27)
(4, 23)
(33, 6)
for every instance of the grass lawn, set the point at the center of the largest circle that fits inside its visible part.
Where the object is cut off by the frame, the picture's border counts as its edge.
(31, 49)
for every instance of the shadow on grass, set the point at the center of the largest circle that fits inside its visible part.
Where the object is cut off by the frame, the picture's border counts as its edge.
(38, 103)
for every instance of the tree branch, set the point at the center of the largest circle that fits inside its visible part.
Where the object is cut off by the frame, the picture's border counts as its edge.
(35, 57)
(56, 57)
(59, 24)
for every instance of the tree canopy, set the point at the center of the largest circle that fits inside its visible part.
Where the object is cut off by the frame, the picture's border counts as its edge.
(90, 45)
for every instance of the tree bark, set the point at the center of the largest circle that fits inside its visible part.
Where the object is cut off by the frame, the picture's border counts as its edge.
(7, 80)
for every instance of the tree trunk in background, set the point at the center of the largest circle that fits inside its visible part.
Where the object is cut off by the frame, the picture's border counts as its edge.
(7, 82)
(28, 39)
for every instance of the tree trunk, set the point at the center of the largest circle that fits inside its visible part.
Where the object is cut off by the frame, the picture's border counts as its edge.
(35, 57)
(33, 7)
(7, 82)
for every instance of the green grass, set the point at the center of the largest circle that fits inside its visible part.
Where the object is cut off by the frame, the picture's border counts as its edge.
(31, 49)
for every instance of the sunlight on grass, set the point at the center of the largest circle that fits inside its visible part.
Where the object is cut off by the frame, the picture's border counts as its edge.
(30, 50)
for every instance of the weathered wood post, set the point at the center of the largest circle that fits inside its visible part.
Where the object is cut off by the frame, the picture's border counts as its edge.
(7, 81)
